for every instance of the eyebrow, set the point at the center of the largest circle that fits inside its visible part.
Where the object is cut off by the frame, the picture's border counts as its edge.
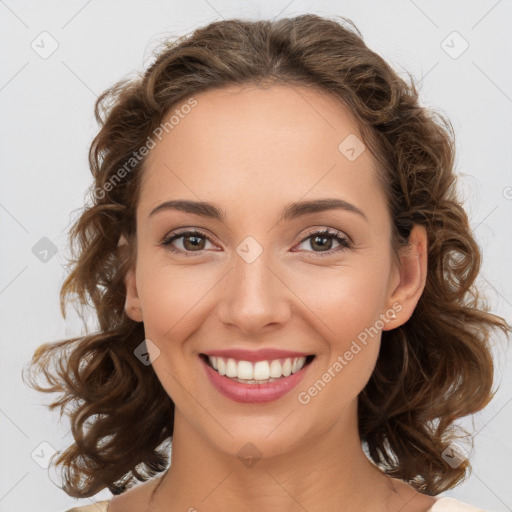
(291, 211)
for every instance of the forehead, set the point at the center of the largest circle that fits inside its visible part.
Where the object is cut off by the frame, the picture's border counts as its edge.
(252, 143)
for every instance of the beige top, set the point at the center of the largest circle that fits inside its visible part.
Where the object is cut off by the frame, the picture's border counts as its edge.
(443, 504)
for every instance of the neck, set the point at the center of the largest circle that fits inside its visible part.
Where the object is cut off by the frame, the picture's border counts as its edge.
(321, 474)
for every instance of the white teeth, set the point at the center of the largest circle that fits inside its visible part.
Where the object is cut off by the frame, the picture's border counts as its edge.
(287, 367)
(222, 366)
(276, 370)
(259, 371)
(231, 368)
(245, 370)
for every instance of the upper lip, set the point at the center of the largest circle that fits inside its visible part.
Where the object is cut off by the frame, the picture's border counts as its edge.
(264, 354)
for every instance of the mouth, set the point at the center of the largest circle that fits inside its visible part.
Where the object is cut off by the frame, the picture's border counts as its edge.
(255, 382)
(260, 372)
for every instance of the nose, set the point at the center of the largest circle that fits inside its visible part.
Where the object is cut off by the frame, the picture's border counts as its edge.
(254, 295)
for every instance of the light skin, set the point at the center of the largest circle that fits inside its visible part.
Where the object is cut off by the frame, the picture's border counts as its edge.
(251, 151)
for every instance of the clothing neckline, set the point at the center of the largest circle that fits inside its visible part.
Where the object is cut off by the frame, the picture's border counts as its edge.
(433, 508)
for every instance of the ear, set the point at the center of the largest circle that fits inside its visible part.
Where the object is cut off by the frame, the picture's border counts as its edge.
(132, 304)
(406, 289)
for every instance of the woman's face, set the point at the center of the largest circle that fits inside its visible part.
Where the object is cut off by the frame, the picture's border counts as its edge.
(254, 279)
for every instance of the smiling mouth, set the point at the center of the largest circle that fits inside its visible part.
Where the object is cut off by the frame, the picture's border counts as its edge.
(260, 372)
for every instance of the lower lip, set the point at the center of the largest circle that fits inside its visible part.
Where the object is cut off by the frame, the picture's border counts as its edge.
(253, 393)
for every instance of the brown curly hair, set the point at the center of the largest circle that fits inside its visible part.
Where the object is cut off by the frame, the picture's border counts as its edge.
(432, 370)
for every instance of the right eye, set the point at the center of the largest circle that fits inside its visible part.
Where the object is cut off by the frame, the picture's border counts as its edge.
(193, 237)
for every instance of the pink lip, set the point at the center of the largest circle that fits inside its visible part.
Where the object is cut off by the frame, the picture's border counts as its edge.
(264, 354)
(253, 393)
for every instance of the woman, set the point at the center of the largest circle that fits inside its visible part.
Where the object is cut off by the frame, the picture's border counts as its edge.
(283, 277)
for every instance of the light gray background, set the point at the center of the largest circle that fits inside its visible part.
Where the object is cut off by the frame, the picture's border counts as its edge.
(47, 126)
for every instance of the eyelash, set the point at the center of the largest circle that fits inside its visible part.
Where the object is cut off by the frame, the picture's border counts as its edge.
(345, 243)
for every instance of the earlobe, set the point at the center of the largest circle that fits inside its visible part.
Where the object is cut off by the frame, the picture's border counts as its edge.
(132, 303)
(412, 277)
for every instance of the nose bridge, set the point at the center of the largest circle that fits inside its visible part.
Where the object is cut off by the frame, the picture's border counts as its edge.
(255, 295)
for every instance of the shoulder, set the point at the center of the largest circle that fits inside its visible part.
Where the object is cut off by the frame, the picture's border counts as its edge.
(99, 506)
(134, 499)
(446, 504)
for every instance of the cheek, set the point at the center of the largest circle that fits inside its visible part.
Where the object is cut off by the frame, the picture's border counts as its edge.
(346, 313)
(343, 308)
(171, 297)
(346, 300)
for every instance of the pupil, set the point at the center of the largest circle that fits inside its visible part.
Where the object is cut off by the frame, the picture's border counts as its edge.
(316, 238)
(194, 244)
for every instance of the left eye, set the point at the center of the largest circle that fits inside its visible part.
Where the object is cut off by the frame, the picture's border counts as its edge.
(192, 241)
(318, 239)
